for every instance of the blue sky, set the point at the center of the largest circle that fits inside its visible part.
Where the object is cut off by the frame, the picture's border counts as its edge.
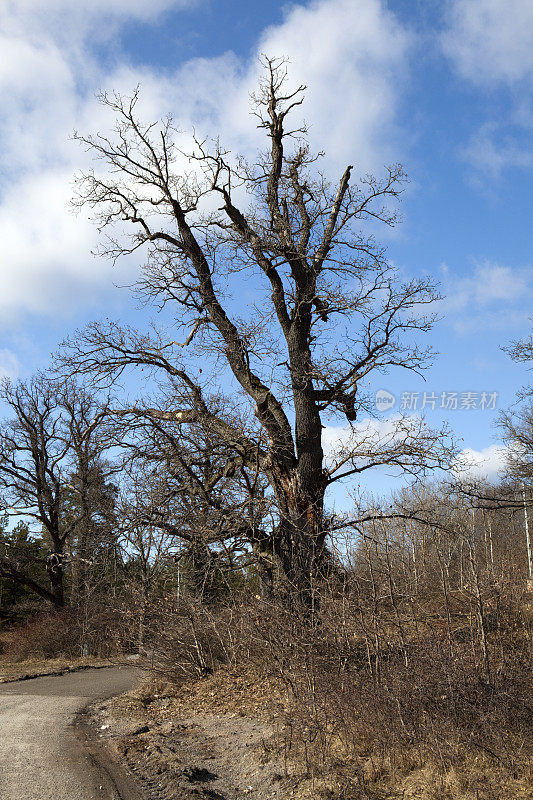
(443, 87)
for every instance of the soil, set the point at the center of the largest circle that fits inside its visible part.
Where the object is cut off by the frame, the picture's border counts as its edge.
(209, 757)
(175, 751)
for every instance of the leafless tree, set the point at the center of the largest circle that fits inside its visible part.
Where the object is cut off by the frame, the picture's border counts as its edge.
(190, 485)
(48, 451)
(330, 313)
(148, 550)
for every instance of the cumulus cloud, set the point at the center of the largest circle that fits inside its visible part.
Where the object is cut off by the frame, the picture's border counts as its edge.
(339, 439)
(393, 440)
(351, 55)
(36, 215)
(84, 13)
(490, 44)
(485, 464)
(490, 41)
(383, 435)
(132, 8)
(490, 151)
(490, 283)
(47, 84)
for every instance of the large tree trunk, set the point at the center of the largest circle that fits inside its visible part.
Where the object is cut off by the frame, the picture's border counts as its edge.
(300, 539)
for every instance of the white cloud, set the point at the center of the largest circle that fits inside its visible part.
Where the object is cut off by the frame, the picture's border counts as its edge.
(353, 57)
(496, 283)
(371, 438)
(491, 41)
(490, 283)
(487, 464)
(46, 259)
(477, 300)
(133, 8)
(339, 438)
(490, 153)
(490, 44)
(335, 438)
(38, 15)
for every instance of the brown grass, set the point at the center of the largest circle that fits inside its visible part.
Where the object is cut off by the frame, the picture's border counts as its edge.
(425, 724)
(34, 668)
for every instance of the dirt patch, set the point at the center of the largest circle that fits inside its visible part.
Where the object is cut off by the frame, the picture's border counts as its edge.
(198, 742)
(216, 757)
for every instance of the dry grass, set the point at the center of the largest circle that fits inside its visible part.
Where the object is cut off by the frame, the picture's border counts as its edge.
(366, 771)
(425, 725)
(33, 668)
(248, 692)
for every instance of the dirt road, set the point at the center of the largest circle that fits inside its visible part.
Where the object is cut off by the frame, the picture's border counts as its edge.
(41, 754)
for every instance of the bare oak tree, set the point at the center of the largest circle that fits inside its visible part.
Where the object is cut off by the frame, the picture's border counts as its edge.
(330, 312)
(48, 449)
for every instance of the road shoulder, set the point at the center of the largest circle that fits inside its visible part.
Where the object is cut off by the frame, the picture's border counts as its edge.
(176, 753)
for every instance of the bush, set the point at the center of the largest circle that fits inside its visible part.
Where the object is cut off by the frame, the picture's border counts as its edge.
(193, 640)
(70, 633)
(373, 701)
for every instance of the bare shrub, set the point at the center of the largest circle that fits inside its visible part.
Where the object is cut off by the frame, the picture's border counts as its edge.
(48, 635)
(71, 633)
(380, 690)
(192, 639)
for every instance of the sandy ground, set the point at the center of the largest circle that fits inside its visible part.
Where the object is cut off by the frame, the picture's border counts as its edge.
(190, 756)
